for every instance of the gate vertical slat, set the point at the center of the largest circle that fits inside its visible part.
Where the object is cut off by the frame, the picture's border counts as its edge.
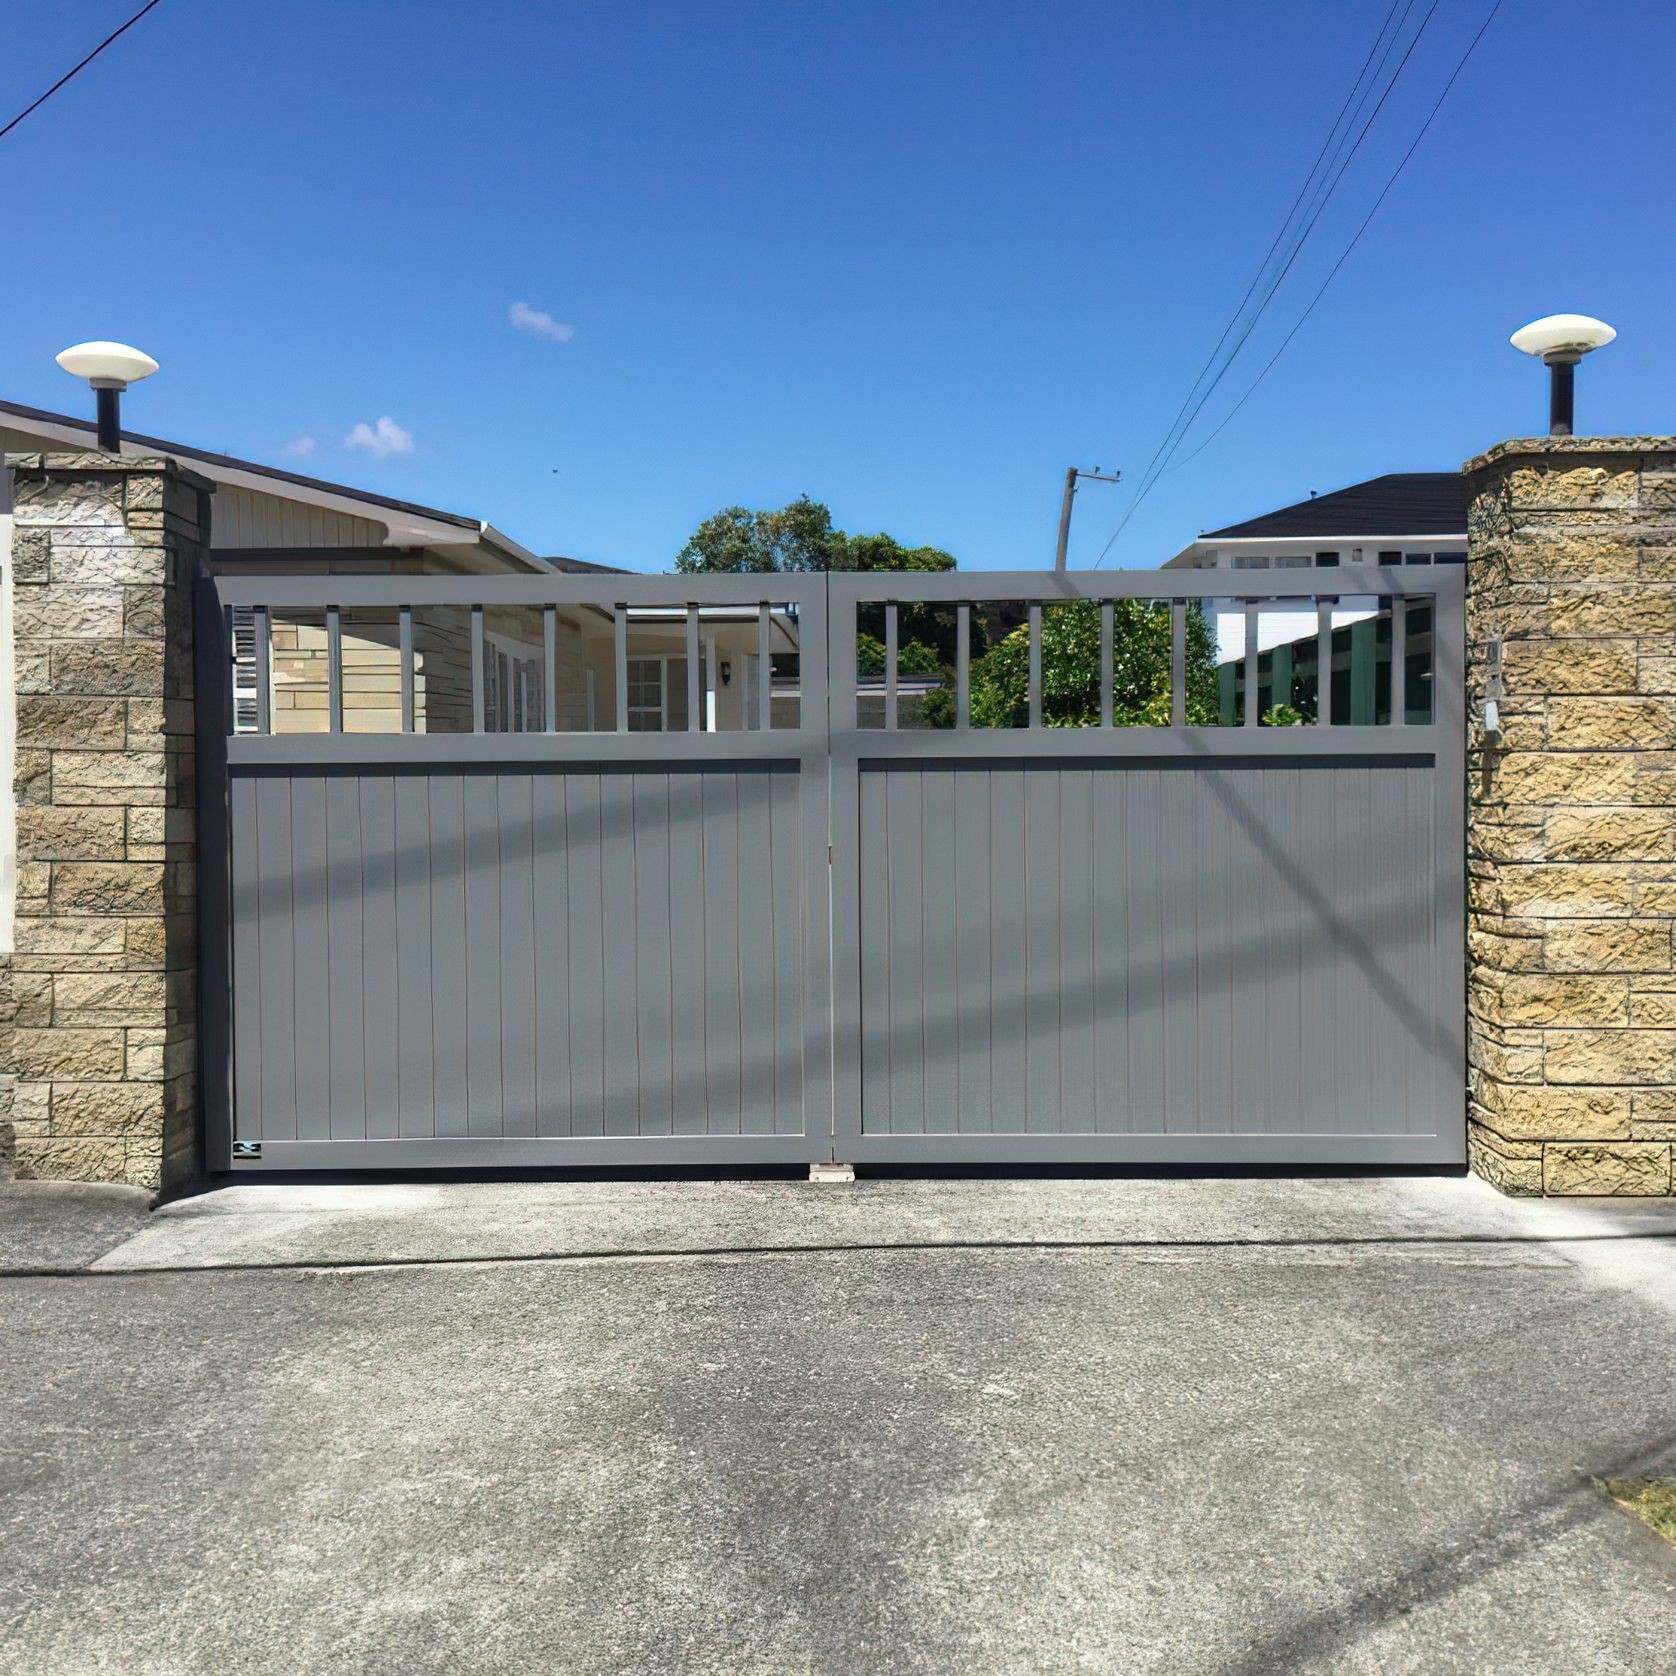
(345, 892)
(905, 870)
(1008, 910)
(552, 956)
(381, 1013)
(416, 1070)
(939, 987)
(277, 996)
(970, 837)
(756, 954)
(686, 952)
(621, 918)
(867, 869)
(252, 1069)
(792, 1107)
(485, 1087)
(589, 986)
(1075, 873)
(450, 1062)
(519, 1023)
(1109, 951)
(654, 969)
(313, 990)
(723, 1042)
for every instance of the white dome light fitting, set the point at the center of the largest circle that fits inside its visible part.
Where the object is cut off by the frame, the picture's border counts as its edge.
(110, 368)
(1562, 340)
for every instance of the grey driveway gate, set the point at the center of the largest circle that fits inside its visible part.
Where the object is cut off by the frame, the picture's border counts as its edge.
(606, 870)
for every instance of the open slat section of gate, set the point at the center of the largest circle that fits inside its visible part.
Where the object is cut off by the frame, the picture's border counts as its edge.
(1131, 867)
(526, 870)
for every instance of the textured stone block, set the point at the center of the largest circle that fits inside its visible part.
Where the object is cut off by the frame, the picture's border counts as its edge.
(1513, 1167)
(1628, 1168)
(59, 613)
(1628, 724)
(1609, 1057)
(71, 835)
(107, 887)
(86, 566)
(116, 669)
(1540, 777)
(110, 991)
(1565, 891)
(71, 1158)
(1646, 612)
(55, 1053)
(47, 721)
(1558, 1114)
(1611, 834)
(108, 1108)
(1540, 667)
(1530, 999)
(1601, 945)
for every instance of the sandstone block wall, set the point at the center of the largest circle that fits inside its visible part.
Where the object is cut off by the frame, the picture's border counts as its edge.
(1571, 816)
(99, 1014)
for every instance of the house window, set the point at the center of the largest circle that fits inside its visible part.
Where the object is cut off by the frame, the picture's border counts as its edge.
(1449, 558)
(1292, 561)
(657, 694)
(513, 697)
(1326, 558)
(1391, 556)
(1250, 561)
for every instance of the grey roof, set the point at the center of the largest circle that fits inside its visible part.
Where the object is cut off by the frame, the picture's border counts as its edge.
(18, 410)
(1399, 503)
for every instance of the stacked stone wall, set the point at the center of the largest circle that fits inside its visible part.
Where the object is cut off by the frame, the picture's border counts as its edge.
(99, 1014)
(1571, 830)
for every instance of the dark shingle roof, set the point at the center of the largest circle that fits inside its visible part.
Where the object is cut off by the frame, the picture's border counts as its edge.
(1399, 503)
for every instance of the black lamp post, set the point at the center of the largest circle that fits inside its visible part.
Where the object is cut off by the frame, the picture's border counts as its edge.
(1562, 340)
(110, 368)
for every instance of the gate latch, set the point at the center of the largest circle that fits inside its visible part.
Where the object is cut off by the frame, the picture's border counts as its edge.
(246, 1149)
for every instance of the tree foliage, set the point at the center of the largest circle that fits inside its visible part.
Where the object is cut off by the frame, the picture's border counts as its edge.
(800, 537)
(1071, 669)
(796, 537)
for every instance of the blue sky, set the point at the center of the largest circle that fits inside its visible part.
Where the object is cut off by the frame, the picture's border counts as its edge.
(913, 259)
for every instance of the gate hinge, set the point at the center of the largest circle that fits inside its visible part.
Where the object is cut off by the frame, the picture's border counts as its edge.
(829, 855)
(246, 1149)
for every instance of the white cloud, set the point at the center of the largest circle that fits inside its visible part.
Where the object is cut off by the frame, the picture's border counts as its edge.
(386, 437)
(300, 445)
(539, 323)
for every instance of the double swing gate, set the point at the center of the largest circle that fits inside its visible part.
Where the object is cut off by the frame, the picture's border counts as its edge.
(616, 870)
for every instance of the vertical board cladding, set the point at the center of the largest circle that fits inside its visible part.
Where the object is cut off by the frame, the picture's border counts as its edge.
(1165, 948)
(532, 954)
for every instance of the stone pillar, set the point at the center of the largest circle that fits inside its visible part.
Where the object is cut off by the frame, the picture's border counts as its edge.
(1571, 816)
(100, 1012)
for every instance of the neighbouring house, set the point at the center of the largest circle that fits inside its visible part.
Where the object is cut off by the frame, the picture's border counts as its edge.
(1400, 519)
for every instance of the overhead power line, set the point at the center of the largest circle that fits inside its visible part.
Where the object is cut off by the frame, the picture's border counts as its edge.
(1341, 163)
(1355, 240)
(1268, 256)
(70, 74)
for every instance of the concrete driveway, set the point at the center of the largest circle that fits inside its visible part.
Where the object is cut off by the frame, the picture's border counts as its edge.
(1113, 1425)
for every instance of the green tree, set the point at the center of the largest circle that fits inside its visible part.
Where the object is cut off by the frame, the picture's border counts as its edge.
(1071, 669)
(799, 536)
